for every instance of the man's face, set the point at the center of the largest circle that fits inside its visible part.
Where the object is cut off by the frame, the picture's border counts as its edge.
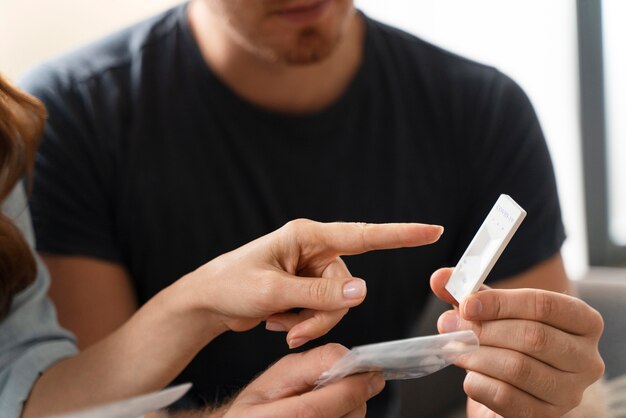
(289, 31)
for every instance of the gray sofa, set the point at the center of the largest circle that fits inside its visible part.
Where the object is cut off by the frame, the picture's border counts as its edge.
(440, 395)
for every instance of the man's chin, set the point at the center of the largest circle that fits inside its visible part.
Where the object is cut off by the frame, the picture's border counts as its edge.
(305, 57)
(308, 53)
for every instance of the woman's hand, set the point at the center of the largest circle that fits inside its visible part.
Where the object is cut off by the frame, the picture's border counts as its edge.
(538, 353)
(296, 266)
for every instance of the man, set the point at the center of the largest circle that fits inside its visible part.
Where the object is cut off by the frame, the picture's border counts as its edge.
(196, 131)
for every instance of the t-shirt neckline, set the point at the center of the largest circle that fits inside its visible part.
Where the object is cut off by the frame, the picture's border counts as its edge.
(214, 87)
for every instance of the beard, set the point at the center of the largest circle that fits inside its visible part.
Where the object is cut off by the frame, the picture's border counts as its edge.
(310, 47)
(280, 44)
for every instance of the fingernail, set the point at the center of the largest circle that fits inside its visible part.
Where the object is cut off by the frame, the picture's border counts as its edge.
(441, 229)
(472, 308)
(470, 377)
(275, 326)
(448, 322)
(354, 289)
(376, 384)
(297, 342)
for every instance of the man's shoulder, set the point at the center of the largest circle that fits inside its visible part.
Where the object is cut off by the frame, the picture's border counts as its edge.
(425, 58)
(115, 52)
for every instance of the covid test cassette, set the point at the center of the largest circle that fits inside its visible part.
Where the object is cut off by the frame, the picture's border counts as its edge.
(486, 247)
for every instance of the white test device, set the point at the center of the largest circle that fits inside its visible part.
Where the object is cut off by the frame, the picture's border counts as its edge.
(485, 249)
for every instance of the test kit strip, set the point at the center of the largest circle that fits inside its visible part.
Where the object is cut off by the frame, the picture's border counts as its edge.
(485, 249)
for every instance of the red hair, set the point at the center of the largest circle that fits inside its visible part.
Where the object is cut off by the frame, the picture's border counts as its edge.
(22, 119)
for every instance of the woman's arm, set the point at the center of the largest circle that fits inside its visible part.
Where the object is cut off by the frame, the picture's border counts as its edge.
(296, 266)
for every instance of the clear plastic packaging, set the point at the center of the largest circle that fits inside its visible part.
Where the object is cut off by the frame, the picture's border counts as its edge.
(403, 359)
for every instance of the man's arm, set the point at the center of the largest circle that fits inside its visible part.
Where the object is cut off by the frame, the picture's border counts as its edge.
(93, 297)
(235, 291)
(548, 275)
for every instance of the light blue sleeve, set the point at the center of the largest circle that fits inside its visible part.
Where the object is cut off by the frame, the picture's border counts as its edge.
(31, 340)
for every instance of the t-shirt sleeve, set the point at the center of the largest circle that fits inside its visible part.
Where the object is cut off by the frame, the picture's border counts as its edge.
(31, 340)
(507, 154)
(71, 199)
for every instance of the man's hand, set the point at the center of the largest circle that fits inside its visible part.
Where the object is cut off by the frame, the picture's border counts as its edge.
(296, 266)
(538, 354)
(286, 389)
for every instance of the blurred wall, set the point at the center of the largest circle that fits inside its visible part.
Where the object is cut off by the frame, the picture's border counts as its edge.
(33, 30)
(533, 41)
(613, 14)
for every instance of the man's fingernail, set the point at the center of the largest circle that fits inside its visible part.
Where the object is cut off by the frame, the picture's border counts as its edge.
(275, 326)
(469, 378)
(448, 322)
(296, 342)
(440, 229)
(376, 384)
(354, 289)
(472, 309)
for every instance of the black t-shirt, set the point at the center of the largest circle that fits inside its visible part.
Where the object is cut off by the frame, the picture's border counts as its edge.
(150, 161)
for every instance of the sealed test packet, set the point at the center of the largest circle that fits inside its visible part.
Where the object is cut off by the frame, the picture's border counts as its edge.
(403, 359)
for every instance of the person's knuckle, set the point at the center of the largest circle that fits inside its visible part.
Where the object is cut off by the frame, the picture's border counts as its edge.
(356, 396)
(363, 231)
(295, 229)
(535, 337)
(502, 396)
(549, 386)
(470, 389)
(332, 352)
(476, 387)
(308, 410)
(297, 224)
(597, 367)
(504, 400)
(335, 349)
(544, 306)
(327, 320)
(596, 321)
(572, 398)
(498, 304)
(315, 322)
(478, 328)
(517, 367)
(337, 268)
(568, 348)
(321, 290)
(289, 227)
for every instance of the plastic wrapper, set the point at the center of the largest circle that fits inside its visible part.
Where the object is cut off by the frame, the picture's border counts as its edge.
(403, 359)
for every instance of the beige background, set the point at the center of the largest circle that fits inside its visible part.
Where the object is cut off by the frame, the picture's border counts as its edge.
(32, 30)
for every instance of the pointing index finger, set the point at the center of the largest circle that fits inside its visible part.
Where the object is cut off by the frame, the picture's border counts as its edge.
(345, 238)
